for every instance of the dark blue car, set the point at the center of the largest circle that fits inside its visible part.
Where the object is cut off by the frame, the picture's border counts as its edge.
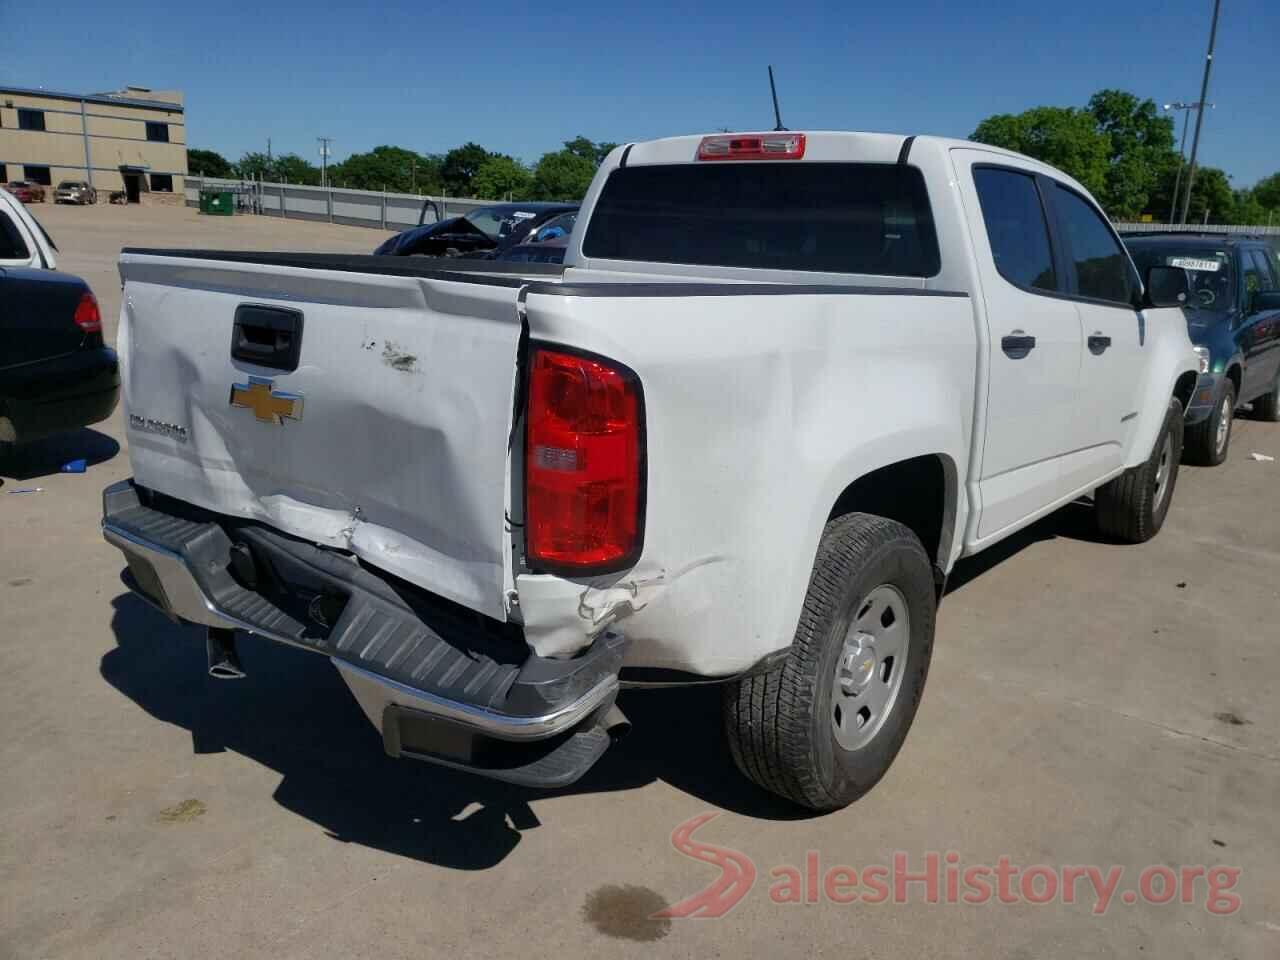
(55, 372)
(1233, 317)
(484, 233)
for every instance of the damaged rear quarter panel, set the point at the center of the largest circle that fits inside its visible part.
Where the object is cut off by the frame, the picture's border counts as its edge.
(759, 411)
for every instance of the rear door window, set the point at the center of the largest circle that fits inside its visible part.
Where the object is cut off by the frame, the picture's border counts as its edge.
(1253, 275)
(823, 217)
(1016, 227)
(1266, 278)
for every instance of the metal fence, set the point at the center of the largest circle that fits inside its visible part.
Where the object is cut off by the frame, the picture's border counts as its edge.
(1135, 227)
(361, 208)
(396, 211)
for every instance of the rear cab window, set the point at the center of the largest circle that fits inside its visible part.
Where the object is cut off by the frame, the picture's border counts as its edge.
(854, 218)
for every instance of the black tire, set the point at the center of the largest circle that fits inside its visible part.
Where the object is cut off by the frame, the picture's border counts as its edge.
(1267, 407)
(1127, 507)
(780, 724)
(1202, 446)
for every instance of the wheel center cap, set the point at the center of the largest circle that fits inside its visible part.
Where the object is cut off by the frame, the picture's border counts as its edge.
(858, 663)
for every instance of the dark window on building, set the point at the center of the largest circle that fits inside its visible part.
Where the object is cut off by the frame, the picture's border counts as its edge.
(1016, 227)
(30, 119)
(12, 246)
(4, 174)
(38, 175)
(162, 182)
(1102, 269)
(158, 132)
(827, 217)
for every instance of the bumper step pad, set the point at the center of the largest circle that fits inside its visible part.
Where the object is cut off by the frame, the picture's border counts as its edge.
(440, 682)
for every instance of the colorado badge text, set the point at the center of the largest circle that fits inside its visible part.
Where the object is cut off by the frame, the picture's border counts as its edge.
(268, 405)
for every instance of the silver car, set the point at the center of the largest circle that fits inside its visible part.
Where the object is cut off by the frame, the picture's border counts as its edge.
(75, 191)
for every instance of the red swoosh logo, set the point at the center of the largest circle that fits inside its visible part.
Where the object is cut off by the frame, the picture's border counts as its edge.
(737, 873)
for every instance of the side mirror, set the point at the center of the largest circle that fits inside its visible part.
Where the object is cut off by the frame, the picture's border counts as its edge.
(1166, 287)
(1265, 300)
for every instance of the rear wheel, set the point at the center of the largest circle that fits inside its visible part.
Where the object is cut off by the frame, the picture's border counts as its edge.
(1207, 441)
(823, 727)
(1132, 507)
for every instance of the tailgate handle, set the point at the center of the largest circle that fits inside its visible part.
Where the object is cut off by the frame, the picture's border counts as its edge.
(267, 336)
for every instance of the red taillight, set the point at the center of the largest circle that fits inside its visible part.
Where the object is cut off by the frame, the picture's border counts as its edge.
(752, 146)
(87, 317)
(583, 464)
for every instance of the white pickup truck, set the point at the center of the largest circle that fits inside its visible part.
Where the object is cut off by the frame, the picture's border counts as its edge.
(781, 384)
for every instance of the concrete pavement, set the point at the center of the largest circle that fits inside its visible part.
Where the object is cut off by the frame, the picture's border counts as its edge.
(1089, 704)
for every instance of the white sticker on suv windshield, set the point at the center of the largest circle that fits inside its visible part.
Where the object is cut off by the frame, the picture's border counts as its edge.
(1191, 263)
(522, 215)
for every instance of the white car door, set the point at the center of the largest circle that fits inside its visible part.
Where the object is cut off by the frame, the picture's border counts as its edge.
(20, 246)
(1103, 284)
(1034, 339)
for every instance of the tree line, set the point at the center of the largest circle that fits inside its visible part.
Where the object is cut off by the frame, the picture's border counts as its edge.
(466, 171)
(1124, 152)
(1119, 146)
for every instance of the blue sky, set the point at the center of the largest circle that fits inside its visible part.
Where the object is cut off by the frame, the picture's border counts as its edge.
(521, 77)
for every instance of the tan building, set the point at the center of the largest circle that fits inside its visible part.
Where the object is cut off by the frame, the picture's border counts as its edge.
(134, 140)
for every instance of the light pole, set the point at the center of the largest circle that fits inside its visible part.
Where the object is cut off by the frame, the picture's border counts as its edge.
(1204, 91)
(1186, 109)
(324, 159)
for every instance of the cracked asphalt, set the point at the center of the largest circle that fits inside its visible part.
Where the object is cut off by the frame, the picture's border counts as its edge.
(1089, 704)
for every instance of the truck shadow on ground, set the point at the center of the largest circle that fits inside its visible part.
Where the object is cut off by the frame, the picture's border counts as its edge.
(1075, 521)
(293, 714)
(40, 458)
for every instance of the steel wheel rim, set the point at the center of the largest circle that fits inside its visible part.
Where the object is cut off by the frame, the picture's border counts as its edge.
(1224, 424)
(1164, 467)
(870, 667)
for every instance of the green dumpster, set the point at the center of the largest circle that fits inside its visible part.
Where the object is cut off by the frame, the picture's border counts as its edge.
(218, 203)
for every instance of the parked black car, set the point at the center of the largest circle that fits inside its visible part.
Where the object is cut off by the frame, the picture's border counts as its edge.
(55, 372)
(483, 233)
(1233, 317)
(547, 244)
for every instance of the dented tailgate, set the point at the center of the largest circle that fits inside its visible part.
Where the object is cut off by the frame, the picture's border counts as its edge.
(389, 439)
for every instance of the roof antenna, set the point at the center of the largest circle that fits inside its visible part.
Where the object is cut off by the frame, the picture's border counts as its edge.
(777, 116)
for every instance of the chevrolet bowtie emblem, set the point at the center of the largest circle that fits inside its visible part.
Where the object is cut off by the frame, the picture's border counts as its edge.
(268, 406)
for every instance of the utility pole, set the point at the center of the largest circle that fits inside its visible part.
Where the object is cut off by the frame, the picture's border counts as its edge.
(268, 149)
(1204, 92)
(1186, 109)
(324, 159)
